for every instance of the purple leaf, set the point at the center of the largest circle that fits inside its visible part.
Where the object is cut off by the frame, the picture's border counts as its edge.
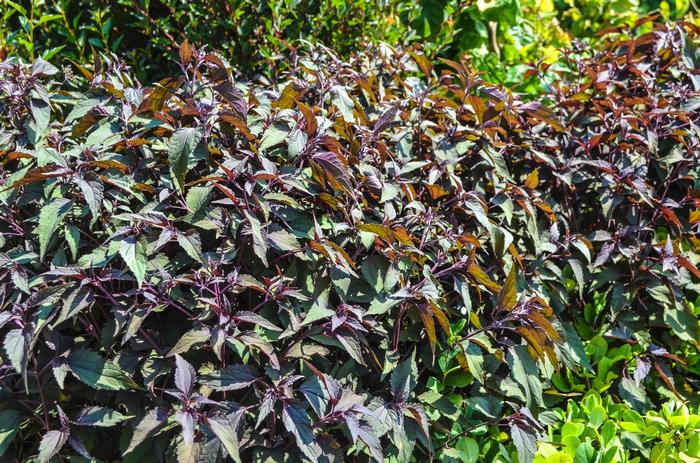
(641, 370)
(185, 376)
(231, 378)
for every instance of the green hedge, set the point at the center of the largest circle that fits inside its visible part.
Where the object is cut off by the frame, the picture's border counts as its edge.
(256, 36)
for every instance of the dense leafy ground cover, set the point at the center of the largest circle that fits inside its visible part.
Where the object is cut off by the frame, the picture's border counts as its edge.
(376, 257)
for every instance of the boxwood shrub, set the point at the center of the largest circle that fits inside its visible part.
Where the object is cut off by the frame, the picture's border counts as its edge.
(372, 260)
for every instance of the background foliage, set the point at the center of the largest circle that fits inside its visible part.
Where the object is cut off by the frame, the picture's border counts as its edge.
(364, 256)
(499, 36)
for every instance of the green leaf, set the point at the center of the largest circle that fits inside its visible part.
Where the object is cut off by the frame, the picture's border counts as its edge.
(252, 317)
(282, 240)
(525, 443)
(224, 428)
(99, 416)
(82, 107)
(577, 269)
(72, 234)
(76, 301)
(93, 191)
(133, 251)
(153, 420)
(475, 361)
(319, 307)
(50, 217)
(273, 135)
(382, 417)
(197, 199)
(180, 150)
(9, 426)
(107, 133)
(51, 444)
(525, 372)
(468, 450)
(633, 395)
(16, 346)
(298, 422)
(403, 379)
(17, 7)
(683, 324)
(259, 241)
(41, 115)
(192, 245)
(98, 373)
(352, 346)
(344, 103)
(190, 338)
(379, 273)
(231, 378)
(315, 394)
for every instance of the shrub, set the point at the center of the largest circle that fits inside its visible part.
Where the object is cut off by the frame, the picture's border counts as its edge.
(366, 261)
(259, 36)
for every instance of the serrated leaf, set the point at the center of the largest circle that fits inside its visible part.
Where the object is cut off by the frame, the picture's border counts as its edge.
(99, 416)
(90, 368)
(252, 317)
(93, 191)
(525, 372)
(352, 346)
(284, 241)
(379, 230)
(185, 376)
(197, 200)
(51, 443)
(259, 241)
(16, 345)
(76, 301)
(41, 116)
(426, 315)
(475, 361)
(508, 297)
(632, 394)
(367, 435)
(577, 270)
(641, 370)
(382, 416)
(192, 337)
(298, 422)
(185, 450)
(273, 135)
(315, 394)
(180, 150)
(50, 217)
(403, 379)
(79, 447)
(231, 378)
(192, 245)
(525, 443)
(9, 426)
(82, 107)
(468, 450)
(153, 420)
(133, 251)
(224, 429)
(72, 234)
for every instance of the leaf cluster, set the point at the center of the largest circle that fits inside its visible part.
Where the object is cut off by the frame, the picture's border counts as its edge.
(371, 259)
